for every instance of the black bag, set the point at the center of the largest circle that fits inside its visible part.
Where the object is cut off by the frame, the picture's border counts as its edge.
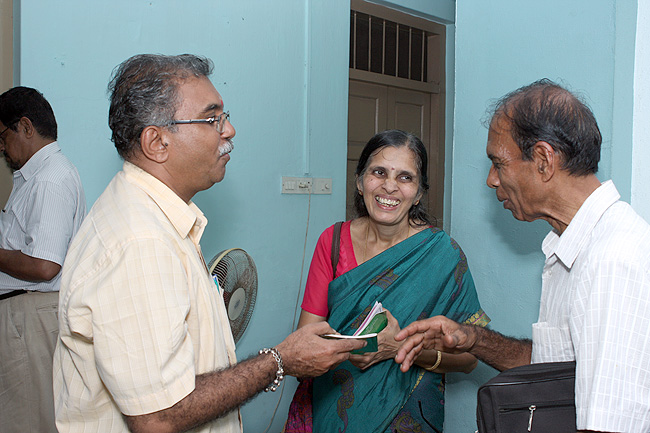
(538, 398)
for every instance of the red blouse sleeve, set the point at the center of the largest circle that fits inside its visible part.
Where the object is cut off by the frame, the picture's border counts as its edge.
(320, 270)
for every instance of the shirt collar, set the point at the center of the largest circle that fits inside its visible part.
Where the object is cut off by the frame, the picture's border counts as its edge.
(34, 163)
(186, 218)
(577, 233)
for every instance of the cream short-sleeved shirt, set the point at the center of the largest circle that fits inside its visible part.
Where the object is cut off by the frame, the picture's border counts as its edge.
(139, 315)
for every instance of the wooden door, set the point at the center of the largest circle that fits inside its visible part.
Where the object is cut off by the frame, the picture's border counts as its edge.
(367, 115)
(376, 107)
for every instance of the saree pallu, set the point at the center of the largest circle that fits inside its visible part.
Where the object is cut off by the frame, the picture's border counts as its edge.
(423, 276)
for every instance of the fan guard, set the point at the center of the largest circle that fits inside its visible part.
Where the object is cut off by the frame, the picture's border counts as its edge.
(236, 273)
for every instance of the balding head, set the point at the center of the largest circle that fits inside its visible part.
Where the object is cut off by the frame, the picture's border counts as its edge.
(545, 111)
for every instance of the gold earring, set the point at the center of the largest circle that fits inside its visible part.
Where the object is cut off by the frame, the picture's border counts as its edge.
(360, 193)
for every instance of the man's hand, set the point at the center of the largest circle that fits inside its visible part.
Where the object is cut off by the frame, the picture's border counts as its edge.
(439, 333)
(27, 268)
(443, 334)
(306, 354)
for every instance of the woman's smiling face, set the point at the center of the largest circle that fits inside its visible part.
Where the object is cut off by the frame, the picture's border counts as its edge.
(390, 185)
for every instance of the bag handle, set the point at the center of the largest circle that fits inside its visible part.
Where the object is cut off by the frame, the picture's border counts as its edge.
(336, 247)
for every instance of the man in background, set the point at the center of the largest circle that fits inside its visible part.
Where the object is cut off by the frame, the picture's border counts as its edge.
(145, 343)
(544, 144)
(42, 215)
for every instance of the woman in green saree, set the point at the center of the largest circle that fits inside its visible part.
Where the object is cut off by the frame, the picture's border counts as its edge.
(390, 253)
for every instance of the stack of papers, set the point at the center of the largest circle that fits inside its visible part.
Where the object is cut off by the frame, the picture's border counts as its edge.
(374, 322)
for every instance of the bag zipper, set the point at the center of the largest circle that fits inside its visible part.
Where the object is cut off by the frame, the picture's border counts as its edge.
(533, 407)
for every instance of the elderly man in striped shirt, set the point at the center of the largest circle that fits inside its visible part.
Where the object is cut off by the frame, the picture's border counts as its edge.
(544, 144)
(42, 215)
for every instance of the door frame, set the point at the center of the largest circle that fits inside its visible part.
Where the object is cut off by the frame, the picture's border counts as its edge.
(435, 85)
(6, 81)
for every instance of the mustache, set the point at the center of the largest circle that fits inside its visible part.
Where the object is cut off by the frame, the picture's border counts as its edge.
(226, 147)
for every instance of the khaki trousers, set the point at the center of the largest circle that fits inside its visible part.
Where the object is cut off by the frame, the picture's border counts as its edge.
(28, 333)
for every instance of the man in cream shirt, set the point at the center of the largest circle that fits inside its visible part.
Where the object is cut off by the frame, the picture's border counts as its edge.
(145, 343)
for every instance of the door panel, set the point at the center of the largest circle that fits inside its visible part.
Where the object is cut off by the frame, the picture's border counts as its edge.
(367, 110)
(366, 116)
(412, 113)
(376, 107)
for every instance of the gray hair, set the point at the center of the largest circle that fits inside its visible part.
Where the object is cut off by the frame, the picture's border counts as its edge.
(144, 92)
(546, 111)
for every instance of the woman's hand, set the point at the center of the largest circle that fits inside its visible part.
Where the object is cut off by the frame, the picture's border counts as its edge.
(386, 344)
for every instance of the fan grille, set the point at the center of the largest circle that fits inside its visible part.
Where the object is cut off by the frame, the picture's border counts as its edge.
(237, 275)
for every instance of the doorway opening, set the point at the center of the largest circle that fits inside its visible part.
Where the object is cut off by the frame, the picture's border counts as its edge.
(397, 71)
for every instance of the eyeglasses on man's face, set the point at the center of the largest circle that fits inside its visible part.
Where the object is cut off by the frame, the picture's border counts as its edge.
(3, 133)
(219, 121)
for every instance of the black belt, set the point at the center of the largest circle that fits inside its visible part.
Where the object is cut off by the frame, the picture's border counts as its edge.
(12, 294)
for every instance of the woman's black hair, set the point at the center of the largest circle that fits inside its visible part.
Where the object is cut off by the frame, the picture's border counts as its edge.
(418, 215)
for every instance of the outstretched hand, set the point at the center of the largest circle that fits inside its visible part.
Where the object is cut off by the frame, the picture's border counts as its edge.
(306, 354)
(439, 333)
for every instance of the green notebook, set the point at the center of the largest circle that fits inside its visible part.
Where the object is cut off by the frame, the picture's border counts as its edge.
(371, 326)
(376, 324)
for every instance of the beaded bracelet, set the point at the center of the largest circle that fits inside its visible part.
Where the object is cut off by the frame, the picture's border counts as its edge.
(279, 375)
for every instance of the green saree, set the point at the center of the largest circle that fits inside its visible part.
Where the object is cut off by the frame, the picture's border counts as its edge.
(423, 276)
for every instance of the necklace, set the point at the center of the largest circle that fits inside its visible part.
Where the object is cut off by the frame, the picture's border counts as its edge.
(365, 245)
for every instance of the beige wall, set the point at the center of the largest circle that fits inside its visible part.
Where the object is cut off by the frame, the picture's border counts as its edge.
(6, 81)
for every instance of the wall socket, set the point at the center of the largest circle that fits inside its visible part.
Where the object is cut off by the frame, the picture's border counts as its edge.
(306, 185)
(322, 185)
(296, 185)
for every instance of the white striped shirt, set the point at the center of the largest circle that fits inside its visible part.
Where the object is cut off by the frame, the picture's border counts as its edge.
(43, 213)
(595, 308)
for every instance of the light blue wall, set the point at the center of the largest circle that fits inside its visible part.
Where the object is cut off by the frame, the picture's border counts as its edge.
(500, 46)
(624, 96)
(281, 67)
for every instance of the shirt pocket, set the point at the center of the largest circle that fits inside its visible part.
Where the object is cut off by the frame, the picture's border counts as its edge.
(12, 231)
(551, 343)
